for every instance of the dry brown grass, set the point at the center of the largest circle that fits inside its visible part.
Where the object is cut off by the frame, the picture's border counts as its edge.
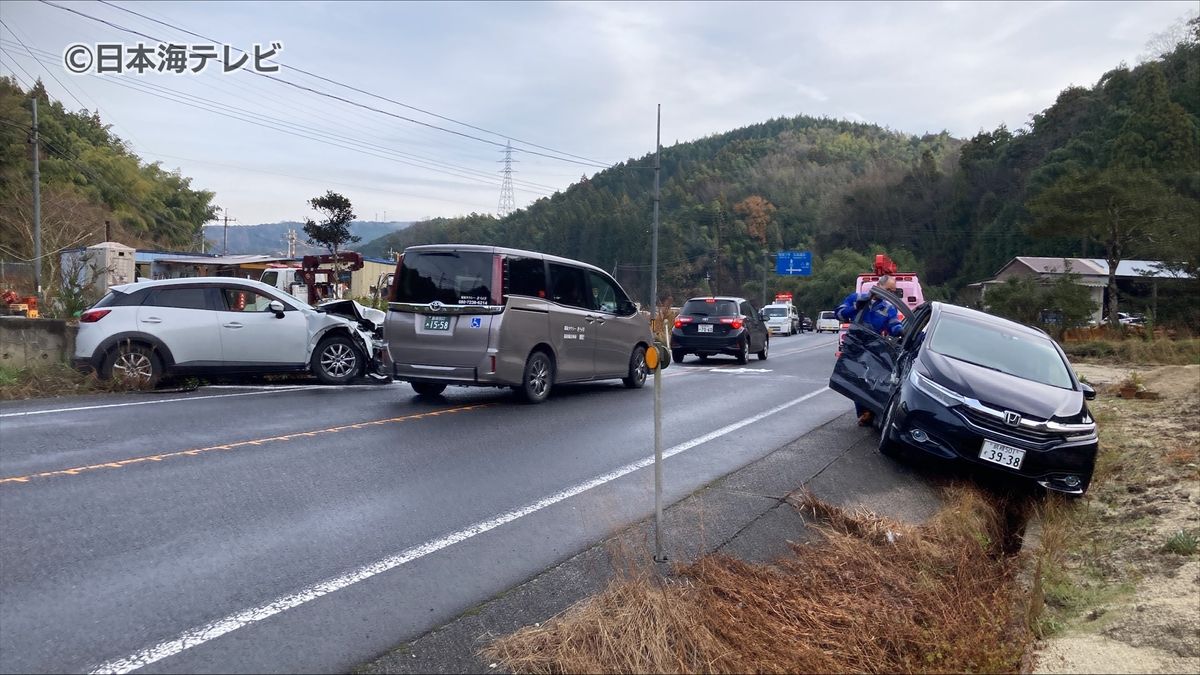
(869, 595)
(53, 380)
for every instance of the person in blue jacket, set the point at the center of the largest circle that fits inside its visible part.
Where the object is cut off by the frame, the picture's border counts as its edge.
(880, 315)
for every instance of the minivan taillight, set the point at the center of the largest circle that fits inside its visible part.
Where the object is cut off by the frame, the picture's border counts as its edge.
(93, 315)
(682, 320)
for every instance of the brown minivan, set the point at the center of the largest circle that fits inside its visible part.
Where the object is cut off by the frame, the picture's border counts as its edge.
(497, 317)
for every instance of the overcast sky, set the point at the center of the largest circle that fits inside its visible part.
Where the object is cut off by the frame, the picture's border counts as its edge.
(578, 78)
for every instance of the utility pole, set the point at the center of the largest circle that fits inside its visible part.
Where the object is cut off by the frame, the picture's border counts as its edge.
(658, 449)
(37, 209)
(766, 263)
(657, 196)
(225, 246)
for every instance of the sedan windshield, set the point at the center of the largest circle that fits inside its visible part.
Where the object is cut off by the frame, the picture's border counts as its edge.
(992, 346)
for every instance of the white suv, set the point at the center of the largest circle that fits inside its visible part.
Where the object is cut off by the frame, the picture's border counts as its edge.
(225, 325)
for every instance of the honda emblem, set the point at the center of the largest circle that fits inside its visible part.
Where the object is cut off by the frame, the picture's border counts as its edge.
(1011, 418)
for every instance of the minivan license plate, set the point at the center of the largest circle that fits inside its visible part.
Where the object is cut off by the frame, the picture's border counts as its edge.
(437, 323)
(704, 328)
(1004, 455)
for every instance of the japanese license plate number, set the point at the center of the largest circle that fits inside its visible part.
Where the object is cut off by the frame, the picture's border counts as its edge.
(1004, 455)
(704, 328)
(437, 323)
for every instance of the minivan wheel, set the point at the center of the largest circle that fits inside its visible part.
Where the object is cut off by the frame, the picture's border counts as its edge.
(762, 356)
(538, 378)
(428, 388)
(336, 360)
(132, 364)
(637, 369)
(743, 355)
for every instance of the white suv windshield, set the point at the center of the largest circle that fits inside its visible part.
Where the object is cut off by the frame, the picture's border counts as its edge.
(1016, 353)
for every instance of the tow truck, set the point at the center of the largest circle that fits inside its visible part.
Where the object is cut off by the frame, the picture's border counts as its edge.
(908, 287)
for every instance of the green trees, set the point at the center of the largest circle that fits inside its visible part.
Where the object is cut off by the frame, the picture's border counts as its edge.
(333, 232)
(88, 177)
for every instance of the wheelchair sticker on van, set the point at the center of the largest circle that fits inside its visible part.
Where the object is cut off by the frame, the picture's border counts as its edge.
(476, 321)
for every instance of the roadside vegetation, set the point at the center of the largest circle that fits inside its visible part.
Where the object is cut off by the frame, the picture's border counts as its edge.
(1119, 571)
(868, 595)
(1158, 351)
(56, 379)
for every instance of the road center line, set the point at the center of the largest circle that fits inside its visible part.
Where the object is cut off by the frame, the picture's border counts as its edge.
(120, 464)
(165, 400)
(211, 631)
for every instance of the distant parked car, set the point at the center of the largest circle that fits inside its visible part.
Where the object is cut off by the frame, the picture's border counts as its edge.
(962, 385)
(719, 325)
(210, 325)
(806, 324)
(827, 321)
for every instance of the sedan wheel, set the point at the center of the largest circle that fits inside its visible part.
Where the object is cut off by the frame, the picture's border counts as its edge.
(336, 361)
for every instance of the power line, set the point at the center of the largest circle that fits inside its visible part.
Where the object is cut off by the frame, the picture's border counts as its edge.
(363, 91)
(335, 96)
(48, 71)
(303, 131)
(14, 73)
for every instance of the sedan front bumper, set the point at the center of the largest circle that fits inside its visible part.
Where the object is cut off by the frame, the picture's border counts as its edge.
(1057, 462)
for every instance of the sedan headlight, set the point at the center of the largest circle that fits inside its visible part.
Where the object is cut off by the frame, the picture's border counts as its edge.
(937, 392)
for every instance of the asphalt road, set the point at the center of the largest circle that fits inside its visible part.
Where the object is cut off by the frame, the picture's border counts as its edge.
(308, 529)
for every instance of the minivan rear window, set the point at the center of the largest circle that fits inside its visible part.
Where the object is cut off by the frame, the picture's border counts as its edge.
(449, 277)
(710, 308)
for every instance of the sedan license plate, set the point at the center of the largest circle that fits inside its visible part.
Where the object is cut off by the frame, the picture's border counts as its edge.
(437, 323)
(704, 328)
(1004, 455)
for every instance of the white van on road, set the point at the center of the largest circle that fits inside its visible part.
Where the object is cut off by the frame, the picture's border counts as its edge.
(782, 319)
(828, 321)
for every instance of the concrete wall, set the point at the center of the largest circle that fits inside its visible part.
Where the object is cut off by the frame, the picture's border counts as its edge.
(28, 342)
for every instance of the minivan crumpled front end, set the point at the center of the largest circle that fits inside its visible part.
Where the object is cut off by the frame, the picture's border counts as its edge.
(941, 422)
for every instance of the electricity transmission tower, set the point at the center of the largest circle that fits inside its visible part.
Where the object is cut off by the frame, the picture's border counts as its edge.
(508, 203)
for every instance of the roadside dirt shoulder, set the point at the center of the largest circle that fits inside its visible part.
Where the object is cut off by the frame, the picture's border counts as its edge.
(1126, 597)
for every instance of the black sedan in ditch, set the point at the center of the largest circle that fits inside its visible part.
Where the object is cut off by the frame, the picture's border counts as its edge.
(963, 385)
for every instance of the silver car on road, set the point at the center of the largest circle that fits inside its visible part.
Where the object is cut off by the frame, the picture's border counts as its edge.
(488, 316)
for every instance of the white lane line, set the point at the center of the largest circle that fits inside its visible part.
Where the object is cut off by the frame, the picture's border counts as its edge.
(687, 371)
(165, 400)
(211, 631)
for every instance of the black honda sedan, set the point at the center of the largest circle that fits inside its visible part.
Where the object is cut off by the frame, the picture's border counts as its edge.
(719, 325)
(968, 386)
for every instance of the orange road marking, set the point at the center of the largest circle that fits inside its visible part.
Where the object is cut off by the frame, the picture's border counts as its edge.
(75, 471)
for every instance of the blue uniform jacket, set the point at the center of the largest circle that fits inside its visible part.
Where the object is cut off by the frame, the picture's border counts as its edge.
(881, 316)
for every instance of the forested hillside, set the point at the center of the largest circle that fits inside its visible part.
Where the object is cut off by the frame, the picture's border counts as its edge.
(952, 211)
(88, 176)
(727, 200)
